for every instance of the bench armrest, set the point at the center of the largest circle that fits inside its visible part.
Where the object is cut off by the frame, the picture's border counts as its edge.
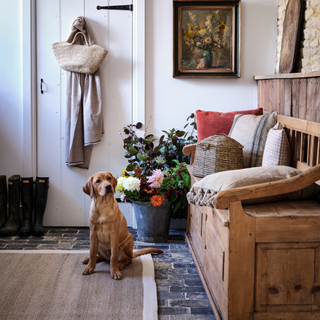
(262, 190)
(190, 149)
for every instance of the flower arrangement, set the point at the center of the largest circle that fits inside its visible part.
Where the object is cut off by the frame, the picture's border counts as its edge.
(156, 171)
(170, 184)
(208, 34)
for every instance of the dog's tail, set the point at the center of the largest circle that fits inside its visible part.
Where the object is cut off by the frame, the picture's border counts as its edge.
(146, 251)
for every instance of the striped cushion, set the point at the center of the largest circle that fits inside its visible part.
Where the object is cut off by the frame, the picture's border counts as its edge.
(251, 131)
(277, 148)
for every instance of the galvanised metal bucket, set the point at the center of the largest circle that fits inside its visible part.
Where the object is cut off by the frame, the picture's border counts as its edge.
(152, 222)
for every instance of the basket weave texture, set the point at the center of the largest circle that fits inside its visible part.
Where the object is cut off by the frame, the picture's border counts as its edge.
(217, 153)
(78, 58)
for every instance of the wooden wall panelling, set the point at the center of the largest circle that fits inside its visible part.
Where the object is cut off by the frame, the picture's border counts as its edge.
(263, 94)
(281, 101)
(274, 95)
(287, 83)
(295, 96)
(302, 99)
(259, 92)
(267, 90)
(291, 96)
(268, 102)
(311, 112)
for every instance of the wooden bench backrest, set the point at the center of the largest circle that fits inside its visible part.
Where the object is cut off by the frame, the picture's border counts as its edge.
(304, 138)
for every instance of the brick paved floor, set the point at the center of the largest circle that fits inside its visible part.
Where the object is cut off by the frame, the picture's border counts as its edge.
(181, 295)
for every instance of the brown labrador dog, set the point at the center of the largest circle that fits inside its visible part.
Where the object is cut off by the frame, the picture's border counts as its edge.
(110, 238)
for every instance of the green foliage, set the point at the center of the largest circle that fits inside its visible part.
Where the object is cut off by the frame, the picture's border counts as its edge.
(144, 152)
(149, 154)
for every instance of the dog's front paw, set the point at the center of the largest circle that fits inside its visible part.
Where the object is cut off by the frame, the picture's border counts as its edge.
(116, 274)
(86, 260)
(87, 270)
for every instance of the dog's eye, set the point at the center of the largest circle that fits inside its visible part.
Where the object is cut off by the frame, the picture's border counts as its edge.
(98, 181)
(109, 178)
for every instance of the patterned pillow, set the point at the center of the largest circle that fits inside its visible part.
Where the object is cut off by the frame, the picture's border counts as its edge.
(251, 131)
(277, 149)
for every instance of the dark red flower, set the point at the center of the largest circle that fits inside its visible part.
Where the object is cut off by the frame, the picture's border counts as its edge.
(169, 192)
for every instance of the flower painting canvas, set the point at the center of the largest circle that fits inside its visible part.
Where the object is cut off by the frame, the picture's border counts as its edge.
(206, 39)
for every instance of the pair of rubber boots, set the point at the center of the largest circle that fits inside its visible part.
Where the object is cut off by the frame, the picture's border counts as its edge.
(11, 225)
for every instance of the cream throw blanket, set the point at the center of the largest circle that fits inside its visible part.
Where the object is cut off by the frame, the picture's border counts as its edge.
(204, 192)
(84, 119)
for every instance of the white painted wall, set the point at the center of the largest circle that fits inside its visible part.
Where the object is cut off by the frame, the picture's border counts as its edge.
(11, 104)
(172, 100)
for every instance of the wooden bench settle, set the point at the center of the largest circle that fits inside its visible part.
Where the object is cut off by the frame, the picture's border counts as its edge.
(262, 261)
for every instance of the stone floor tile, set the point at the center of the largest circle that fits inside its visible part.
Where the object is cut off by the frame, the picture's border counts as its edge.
(172, 311)
(206, 311)
(188, 303)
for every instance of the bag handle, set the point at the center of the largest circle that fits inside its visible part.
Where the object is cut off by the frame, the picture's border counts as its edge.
(77, 35)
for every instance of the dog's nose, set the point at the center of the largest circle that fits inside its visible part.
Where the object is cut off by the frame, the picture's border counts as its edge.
(108, 186)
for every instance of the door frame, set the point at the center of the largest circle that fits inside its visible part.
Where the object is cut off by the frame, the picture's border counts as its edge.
(30, 84)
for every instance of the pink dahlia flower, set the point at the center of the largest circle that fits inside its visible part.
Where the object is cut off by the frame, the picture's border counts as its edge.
(156, 179)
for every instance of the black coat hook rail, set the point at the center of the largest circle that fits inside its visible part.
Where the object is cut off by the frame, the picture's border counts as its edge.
(126, 7)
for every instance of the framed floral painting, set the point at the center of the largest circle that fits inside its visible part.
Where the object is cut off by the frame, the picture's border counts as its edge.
(206, 39)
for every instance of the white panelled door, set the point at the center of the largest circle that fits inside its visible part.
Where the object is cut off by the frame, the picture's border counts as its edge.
(67, 204)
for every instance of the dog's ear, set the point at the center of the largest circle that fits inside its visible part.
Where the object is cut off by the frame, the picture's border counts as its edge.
(114, 182)
(88, 188)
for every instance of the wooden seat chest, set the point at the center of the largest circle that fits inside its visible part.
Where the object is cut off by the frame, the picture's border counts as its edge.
(263, 261)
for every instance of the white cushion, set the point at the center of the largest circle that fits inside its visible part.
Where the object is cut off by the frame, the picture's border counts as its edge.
(277, 149)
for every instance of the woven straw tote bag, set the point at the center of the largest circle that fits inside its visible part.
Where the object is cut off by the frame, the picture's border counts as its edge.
(78, 58)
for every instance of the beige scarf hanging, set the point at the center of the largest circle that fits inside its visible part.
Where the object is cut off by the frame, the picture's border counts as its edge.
(84, 118)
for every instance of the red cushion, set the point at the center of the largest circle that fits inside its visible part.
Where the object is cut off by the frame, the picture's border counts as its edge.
(210, 123)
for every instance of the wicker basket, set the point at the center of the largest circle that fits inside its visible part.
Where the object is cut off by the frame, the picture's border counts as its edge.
(217, 153)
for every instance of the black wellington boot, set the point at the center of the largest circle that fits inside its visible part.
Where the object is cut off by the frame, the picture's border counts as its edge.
(3, 200)
(27, 206)
(41, 195)
(13, 223)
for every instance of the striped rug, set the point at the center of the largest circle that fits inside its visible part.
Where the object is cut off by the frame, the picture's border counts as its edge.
(49, 285)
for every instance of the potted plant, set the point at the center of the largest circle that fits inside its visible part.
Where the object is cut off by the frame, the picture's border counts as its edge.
(156, 180)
